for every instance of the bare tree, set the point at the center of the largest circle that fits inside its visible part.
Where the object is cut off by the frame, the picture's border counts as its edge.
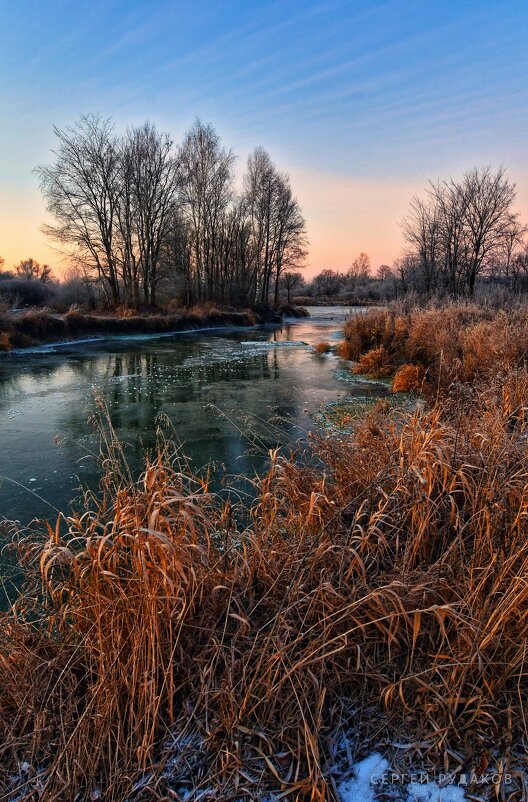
(519, 271)
(288, 247)
(456, 234)
(278, 235)
(385, 273)
(489, 198)
(81, 189)
(291, 281)
(154, 184)
(421, 229)
(508, 255)
(359, 271)
(136, 212)
(31, 269)
(206, 190)
(261, 183)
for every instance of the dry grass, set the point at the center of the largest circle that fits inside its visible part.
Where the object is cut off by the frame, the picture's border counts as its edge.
(456, 342)
(41, 326)
(409, 379)
(323, 348)
(375, 363)
(392, 570)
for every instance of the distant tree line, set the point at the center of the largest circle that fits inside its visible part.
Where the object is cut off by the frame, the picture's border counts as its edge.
(357, 284)
(27, 284)
(462, 235)
(143, 221)
(145, 217)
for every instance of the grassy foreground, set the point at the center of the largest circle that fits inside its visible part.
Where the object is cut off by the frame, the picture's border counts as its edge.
(161, 650)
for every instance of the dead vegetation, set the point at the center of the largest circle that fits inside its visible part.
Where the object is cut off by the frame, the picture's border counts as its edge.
(43, 326)
(163, 649)
(323, 347)
(439, 345)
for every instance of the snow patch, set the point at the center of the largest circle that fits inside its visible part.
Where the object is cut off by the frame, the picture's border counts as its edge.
(431, 792)
(361, 787)
(273, 343)
(368, 775)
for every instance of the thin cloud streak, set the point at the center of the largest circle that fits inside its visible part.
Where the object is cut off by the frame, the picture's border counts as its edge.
(370, 96)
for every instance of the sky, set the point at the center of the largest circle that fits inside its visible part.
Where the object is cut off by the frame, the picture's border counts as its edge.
(360, 102)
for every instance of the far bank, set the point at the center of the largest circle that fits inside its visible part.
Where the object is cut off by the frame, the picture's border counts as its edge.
(34, 327)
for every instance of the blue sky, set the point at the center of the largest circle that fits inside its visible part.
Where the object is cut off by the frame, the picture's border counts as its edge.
(359, 101)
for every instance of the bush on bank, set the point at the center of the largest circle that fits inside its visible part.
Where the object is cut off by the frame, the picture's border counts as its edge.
(440, 344)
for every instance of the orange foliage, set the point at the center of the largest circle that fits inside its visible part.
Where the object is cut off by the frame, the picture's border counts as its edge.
(375, 363)
(408, 379)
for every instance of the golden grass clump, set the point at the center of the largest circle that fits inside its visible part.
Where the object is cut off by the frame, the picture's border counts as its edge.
(391, 570)
(408, 379)
(453, 342)
(323, 348)
(344, 350)
(375, 363)
(124, 312)
(364, 331)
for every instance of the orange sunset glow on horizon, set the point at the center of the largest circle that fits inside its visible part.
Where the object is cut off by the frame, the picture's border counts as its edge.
(345, 216)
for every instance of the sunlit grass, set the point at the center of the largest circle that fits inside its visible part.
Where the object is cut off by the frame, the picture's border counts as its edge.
(391, 568)
(432, 348)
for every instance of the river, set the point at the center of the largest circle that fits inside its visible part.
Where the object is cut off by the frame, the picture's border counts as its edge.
(223, 392)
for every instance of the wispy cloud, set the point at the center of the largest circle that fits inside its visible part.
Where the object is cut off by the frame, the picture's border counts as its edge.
(377, 95)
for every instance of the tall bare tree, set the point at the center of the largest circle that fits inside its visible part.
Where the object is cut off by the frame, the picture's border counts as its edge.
(154, 185)
(206, 190)
(456, 233)
(81, 189)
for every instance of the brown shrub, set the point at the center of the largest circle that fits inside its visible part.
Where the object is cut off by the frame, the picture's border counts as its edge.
(344, 350)
(207, 308)
(173, 306)
(408, 379)
(453, 342)
(364, 331)
(125, 312)
(323, 348)
(376, 363)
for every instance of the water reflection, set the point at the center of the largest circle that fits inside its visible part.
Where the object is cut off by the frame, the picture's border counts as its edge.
(218, 390)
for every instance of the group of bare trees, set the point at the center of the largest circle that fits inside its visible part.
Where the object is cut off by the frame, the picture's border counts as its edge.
(461, 231)
(144, 215)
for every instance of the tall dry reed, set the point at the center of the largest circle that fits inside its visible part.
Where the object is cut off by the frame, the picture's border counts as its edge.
(452, 342)
(384, 573)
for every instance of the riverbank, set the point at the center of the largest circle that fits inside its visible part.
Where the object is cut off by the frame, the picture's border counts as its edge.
(42, 327)
(428, 350)
(374, 599)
